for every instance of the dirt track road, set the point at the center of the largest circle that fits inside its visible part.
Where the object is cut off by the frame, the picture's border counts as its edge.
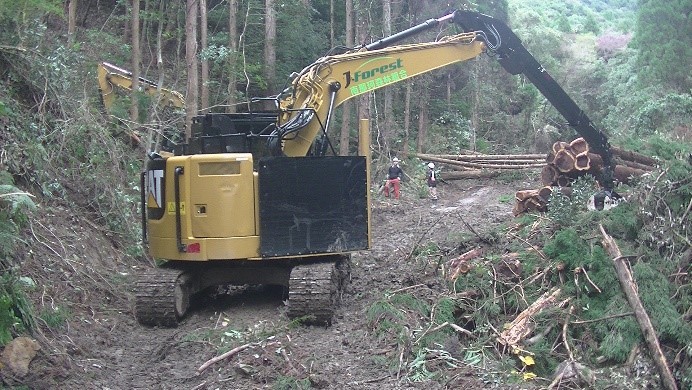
(103, 347)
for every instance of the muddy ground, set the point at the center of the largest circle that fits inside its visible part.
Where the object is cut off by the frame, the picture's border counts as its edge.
(84, 292)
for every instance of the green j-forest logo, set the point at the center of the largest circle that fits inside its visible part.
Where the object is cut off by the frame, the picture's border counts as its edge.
(374, 74)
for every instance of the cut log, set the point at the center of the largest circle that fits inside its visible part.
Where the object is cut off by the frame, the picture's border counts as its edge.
(564, 181)
(544, 194)
(633, 164)
(582, 162)
(629, 288)
(475, 165)
(550, 157)
(578, 146)
(559, 145)
(460, 264)
(521, 326)
(624, 174)
(523, 195)
(549, 175)
(519, 208)
(596, 162)
(566, 191)
(533, 204)
(473, 157)
(508, 161)
(632, 156)
(564, 161)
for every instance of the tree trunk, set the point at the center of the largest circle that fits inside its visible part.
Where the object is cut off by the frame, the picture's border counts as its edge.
(389, 133)
(144, 30)
(126, 25)
(407, 117)
(422, 116)
(136, 59)
(632, 156)
(270, 44)
(629, 287)
(332, 24)
(191, 64)
(623, 174)
(475, 121)
(346, 107)
(153, 140)
(204, 87)
(233, 57)
(362, 30)
(71, 22)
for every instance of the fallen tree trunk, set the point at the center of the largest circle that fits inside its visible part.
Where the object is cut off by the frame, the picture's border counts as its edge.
(468, 164)
(623, 173)
(629, 288)
(632, 156)
(472, 157)
(634, 164)
(520, 327)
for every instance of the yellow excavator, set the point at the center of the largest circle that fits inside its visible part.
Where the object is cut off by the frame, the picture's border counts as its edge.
(111, 78)
(258, 198)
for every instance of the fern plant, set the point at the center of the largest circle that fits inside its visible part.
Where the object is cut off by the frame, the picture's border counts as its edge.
(15, 208)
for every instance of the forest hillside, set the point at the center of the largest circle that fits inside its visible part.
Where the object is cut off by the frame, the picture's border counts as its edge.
(434, 311)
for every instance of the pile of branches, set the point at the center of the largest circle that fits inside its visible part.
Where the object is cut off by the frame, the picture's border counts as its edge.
(568, 161)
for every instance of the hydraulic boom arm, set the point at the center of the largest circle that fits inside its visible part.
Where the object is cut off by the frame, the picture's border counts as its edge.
(307, 106)
(111, 76)
(515, 59)
(330, 81)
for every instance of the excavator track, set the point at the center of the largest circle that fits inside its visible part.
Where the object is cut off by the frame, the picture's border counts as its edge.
(315, 290)
(162, 296)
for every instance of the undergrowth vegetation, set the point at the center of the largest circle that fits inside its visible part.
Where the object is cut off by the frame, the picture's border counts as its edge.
(592, 320)
(56, 147)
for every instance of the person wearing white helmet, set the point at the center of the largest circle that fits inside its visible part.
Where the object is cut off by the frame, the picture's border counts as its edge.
(432, 181)
(393, 179)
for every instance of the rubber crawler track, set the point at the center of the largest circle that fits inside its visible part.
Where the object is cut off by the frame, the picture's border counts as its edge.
(155, 303)
(314, 291)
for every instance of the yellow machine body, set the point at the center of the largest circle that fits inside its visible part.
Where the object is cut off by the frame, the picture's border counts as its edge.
(217, 208)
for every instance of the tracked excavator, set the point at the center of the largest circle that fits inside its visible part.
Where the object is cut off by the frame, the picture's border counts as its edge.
(262, 198)
(111, 78)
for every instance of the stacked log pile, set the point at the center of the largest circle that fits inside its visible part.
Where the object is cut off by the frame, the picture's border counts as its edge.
(476, 165)
(568, 161)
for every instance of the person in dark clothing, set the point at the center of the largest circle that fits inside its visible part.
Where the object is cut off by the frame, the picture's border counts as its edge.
(393, 179)
(432, 181)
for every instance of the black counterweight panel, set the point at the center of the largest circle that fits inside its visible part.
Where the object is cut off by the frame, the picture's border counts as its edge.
(310, 205)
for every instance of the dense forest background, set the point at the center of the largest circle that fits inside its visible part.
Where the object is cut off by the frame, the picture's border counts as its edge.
(625, 62)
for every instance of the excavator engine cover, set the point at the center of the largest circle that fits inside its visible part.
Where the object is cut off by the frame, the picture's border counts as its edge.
(311, 205)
